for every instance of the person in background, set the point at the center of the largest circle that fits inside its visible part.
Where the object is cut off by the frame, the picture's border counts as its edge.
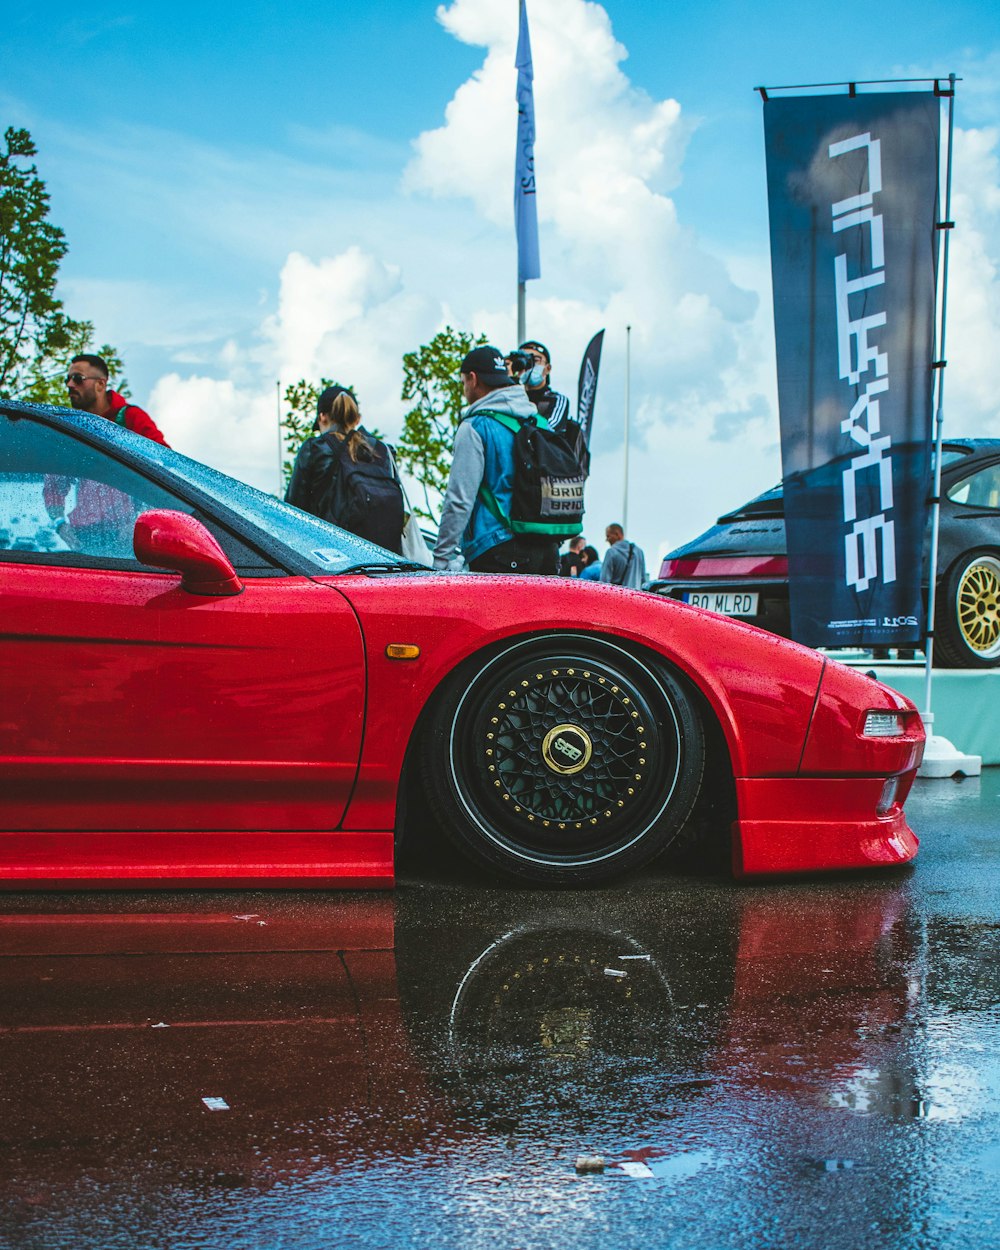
(346, 475)
(571, 563)
(87, 383)
(471, 532)
(590, 569)
(552, 405)
(101, 518)
(625, 563)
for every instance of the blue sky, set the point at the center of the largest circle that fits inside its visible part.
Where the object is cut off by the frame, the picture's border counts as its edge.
(258, 192)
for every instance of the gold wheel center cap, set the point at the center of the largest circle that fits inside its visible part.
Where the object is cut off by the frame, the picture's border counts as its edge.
(567, 749)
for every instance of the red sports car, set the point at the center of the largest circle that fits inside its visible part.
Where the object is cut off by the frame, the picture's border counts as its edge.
(204, 686)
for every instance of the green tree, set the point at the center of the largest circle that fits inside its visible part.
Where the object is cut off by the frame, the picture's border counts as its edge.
(431, 379)
(45, 376)
(31, 248)
(37, 339)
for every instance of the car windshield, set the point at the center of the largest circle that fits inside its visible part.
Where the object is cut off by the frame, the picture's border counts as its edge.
(770, 504)
(324, 548)
(950, 454)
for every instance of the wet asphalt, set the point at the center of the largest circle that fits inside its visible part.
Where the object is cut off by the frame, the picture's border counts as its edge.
(812, 1062)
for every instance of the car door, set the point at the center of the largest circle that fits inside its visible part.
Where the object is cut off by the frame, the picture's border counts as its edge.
(129, 703)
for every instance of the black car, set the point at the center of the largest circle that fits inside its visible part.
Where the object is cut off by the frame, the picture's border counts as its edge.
(740, 566)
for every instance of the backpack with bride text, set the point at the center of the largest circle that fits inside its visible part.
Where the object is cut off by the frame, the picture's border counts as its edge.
(550, 469)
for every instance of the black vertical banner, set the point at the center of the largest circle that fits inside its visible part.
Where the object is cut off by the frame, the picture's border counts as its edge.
(586, 388)
(852, 194)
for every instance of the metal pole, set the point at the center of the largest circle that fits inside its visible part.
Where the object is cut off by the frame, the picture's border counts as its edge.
(926, 715)
(281, 459)
(628, 400)
(522, 332)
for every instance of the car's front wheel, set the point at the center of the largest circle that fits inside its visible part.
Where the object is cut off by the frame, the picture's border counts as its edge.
(968, 613)
(564, 761)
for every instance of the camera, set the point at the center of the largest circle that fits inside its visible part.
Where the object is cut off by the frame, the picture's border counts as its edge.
(520, 362)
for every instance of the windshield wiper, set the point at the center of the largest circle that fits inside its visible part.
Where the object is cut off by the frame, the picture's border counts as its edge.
(404, 566)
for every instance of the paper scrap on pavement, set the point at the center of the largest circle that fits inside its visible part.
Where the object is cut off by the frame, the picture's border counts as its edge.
(636, 1170)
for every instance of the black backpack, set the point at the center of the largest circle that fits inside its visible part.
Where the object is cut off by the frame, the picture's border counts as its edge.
(550, 468)
(365, 496)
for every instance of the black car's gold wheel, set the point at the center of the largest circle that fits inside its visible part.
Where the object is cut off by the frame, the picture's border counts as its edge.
(968, 616)
(564, 761)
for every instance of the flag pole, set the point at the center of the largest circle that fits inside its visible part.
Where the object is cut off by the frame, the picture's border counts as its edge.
(939, 364)
(941, 758)
(628, 401)
(281, 449)
(525, 207)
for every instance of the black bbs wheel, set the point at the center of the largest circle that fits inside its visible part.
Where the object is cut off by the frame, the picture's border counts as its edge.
(564, 762)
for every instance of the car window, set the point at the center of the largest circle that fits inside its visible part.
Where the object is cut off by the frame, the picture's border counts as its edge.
(978, 490)
(63, 501)
(60, 497)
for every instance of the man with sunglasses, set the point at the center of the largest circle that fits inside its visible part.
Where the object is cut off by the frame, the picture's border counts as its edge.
(101, 518)
(87, 383)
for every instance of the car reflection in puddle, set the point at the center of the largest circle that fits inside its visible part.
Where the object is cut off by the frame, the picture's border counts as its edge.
(416, 1060)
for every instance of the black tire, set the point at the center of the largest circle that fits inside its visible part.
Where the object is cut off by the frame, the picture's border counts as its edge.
(967, 633)
(563, 762)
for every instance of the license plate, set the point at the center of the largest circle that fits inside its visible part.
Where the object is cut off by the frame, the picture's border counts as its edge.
(728, 603)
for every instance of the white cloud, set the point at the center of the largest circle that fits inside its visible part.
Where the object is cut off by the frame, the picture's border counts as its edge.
(346, 317)
(972, 378)
(613, 254)
(231, 427)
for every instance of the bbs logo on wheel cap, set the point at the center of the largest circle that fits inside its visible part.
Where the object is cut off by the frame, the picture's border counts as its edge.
(567, 749)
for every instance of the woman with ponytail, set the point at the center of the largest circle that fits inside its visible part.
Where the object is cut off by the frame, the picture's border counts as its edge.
(346, 475)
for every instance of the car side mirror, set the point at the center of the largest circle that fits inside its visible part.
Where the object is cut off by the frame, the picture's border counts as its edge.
(176, 541)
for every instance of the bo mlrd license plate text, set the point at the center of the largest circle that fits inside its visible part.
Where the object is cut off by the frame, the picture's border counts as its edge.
(728, 603)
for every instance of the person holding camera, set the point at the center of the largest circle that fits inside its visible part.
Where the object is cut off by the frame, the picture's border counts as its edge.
(470, 532)
(533, 364)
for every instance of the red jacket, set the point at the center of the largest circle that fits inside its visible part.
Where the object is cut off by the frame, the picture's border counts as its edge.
(96, 502)
(135, 418)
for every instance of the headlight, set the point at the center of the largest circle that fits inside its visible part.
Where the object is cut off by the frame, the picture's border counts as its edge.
(883, 725)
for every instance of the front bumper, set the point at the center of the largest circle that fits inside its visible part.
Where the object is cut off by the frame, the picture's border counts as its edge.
(819, 824)
(844, 806)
